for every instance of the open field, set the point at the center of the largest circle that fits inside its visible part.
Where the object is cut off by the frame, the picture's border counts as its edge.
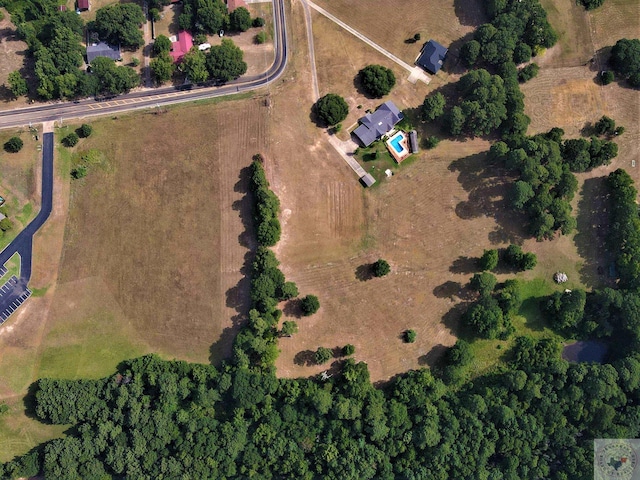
(571, 23)
(614, 20)
(389, 23)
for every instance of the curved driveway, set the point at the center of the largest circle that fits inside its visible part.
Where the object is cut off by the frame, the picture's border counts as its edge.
(160, 96)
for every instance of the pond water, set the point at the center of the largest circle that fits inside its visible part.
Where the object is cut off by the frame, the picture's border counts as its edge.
(585, 351)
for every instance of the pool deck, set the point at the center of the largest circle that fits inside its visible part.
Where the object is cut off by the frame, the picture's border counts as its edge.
(399, 157)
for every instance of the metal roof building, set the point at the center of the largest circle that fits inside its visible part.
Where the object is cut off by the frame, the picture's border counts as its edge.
(102, 49)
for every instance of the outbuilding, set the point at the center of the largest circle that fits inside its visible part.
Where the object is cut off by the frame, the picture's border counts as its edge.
(432, 57)
(413, 141)
(367, 180)
(102, 49)
(83, 5)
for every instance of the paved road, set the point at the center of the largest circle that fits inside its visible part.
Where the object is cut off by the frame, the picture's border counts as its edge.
(149, 98)
(14, 292)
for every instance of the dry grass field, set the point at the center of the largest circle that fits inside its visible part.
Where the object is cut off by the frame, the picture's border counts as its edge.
(389, 23)
(571, 23)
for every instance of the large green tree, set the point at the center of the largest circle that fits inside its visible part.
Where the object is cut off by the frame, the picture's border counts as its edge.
(119, 24)
(17, 84)
(113, 79)
(625, 60)
(194, 65)
(377, 80)
(225, 62)
(332, 109)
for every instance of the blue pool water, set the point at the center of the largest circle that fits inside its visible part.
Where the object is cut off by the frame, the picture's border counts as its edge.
(395, 143)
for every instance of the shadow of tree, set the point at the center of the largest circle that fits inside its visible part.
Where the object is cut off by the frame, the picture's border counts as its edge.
(470, 13)
(431, 359)
(593, 225)
(488, 185)
(464, 265)
(238, 296)
(449, 289)
(305, 358)
(452, 63)
(364, 272)
(293, 308)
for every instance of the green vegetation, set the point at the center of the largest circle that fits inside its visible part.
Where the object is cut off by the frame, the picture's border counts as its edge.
(409, 336)
(377, 80)
(483, 283)
(71, 140)
(489, 260)
(161, 45)
(433, 106)
(162, 68)
(607, 77)
(309, 305)
(381, 268)
(348, 350)
(323, 355)
(13, 145)
(84, 131)
(516, 258)
(258, 22)
(591, 4)
(112, 79)
(625, 60)
(267, 207)
(17, 84)
(288, 328)
(240, 20)
(260, 38)
(224, 61)
(194, 66)
(527, 73)
(119, 24)
(332, 109)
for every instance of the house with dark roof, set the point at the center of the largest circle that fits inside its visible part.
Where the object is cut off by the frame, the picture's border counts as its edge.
(181, 46)
(431, 56)
(83, 5)
(375, 125)
(102, 49)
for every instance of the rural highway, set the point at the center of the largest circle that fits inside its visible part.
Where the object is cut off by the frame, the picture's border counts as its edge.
(14, 291)
(149, 98)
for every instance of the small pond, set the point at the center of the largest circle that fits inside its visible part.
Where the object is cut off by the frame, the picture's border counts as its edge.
(585, 351)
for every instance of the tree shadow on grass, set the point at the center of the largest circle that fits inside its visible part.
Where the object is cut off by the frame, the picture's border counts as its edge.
(431, 358)
(464, 265)
(593, 226)
(305, 358)
(238, 296)
(293, 308)
(470, 13)
(488, 185)
(452, 62)
(364, 272)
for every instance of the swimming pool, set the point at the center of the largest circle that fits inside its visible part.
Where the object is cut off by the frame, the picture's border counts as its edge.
(395, 143)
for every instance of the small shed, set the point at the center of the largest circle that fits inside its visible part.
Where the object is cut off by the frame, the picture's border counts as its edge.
(367, 180)
(432, 56)
(413, 141)
(84, 5)
(233, 4)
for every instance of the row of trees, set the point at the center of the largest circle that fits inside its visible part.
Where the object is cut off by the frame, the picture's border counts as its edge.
(211, 16)
(512, 257)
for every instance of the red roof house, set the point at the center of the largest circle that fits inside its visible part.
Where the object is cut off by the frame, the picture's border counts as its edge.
(233, 4)
(84, 5)
(182, 46)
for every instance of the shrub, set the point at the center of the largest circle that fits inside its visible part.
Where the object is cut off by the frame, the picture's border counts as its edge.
(288, 290)
(260, 38)
(79, 172)
(605, 126)
(409, 336)
(332, 109)
(154, 14)
(607, 77)
(135, 61)
(6, 224)
(483, 283)
(258, 22)
(309, 305)
(528, 72)
(13, 145)
(71, 140)
(417, 37)
(377, 80)
(381, 268)
(289, 328)
(433, 107)
(84, 131)
(348, 349)
(489, 260)
(240, 20)
(323, 355)
(431, 142)
(161, 45)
